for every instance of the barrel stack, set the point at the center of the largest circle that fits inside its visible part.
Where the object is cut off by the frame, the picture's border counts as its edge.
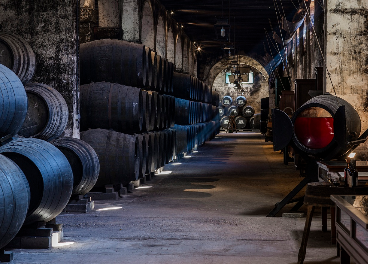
(131, 99)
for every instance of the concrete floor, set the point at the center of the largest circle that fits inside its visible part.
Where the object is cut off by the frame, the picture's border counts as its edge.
(210, 209)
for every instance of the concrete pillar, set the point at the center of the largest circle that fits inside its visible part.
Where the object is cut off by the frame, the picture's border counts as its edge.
(51, 30)
(161, 38)
(178, 54)
(346, 54)
(170, 55)
(130, 20)
(108, 13)
(147, 33)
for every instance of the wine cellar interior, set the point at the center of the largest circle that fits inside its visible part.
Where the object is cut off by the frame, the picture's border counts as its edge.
(162, 131)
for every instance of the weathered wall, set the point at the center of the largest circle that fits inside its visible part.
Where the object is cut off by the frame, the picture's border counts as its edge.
(347, 53)
(130, 20)
(253, 92)
(50, 27)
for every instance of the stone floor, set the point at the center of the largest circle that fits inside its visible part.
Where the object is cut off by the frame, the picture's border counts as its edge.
(209, 207)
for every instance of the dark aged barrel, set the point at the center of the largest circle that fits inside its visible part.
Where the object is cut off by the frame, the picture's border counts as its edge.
(225, 122)
(14, 200)
(13, 102)
(241, 122)
(17, 55)
(315, 122)
(255, 121)
(49, 175)
(148, 66)
(215, 98)
(181, 140)
(153, 97)
(142, 154)
(170, 72)
(148, 151)
(84, 162)
(111, 106)
(47, 114)
(159, 73)
(227, 100)
(182, 85)
(221, 111)
(182, 112)
(241, 101)
(115, 61)
(146, 111)
(233, 111)
(248, 111)
(118, 156)
(152, 166)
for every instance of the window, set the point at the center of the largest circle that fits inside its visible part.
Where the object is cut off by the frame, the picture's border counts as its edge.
(247, 78)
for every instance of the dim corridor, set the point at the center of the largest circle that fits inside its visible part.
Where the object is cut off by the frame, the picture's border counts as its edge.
(208, 207)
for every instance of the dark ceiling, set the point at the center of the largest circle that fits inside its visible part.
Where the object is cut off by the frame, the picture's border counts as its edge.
(249, 21)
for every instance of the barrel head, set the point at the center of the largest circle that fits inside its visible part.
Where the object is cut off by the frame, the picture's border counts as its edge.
(282, 128)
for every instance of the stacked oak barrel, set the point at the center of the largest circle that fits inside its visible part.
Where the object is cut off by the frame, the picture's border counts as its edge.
(39, 170)
(128, 109)
(242, 113)
(196, 113)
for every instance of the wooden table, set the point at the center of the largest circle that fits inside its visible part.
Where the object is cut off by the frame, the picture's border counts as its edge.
(352, 227)
(318, 194)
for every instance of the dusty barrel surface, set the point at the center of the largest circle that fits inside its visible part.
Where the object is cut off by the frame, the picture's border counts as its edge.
(49, 175)
(183, 86)
(118, 156)
(17, 55)
(114, 61)
(84, 162)
(15, 192)
(111, 106)
(47, 114)
(13, 102)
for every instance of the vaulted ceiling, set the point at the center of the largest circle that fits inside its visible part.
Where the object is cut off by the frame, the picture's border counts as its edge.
(251, 22)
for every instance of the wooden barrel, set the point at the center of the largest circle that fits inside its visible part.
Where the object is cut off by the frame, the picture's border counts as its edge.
(248, 111)
(115, 61)
(47, 114)
(153, 115)
(148, 151)
(14, 200)
(241, 101)
(146, 111)
(49, 175)
(149, 65)
(171, 111)
(159, 73)
(153, 151)
(154, 86)
(142, 154)
(182, 112)
(215, 98)
(241, 122)
(221, 111)
(118, 156)
(233, 111)
(84, 162)
(255, 121)
(17, 55)
(170, 72)
(226, 100)
(111, 106)
(224, 122)
(182, 85)
(13, 102)
(180, 140)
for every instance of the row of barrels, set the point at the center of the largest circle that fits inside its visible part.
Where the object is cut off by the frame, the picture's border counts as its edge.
(189, 137)
(227, 100)
(132, 64)
(125, 158)
(245, 111)
(241, 122)
(190, 112)
(124, 108)
(37, 177)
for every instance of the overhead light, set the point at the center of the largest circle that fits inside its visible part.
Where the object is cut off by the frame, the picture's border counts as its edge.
(352, 155)
(172, 12)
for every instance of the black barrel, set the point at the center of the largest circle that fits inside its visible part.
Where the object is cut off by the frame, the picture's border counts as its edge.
(183, 85)
(47, 114)
(241, 122)
(14, 200)
(13, 102)
(148, 66)
(146, 105)
(169, 77)
(182, 112)
(149, 152)
(115, 61)
(255, 121)
(111, 106)
(118, 156)
(233, 111)
(224, 122)
(227, 100)
(180, 140)
(215, 98)
(241, 101)
(153, 85)
(221, 111)
(49, 175)
(84, 162)
(248, 111)
(17, 55)
(153, 150)
(159, 73)
(142, 154)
